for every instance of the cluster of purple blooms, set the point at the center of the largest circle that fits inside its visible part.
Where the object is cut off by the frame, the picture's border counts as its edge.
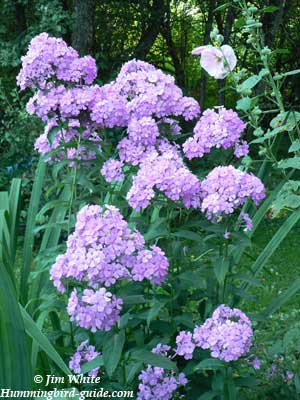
(101, 251)
(61, 80)
(156, 383)
(146, 102)
(141, 97)
(164, 170)
(49, 59)
(227, 188)
(95, 309)
(227, 334)
(83, 354)
(152, 99)
(220, 128)
(69, 135)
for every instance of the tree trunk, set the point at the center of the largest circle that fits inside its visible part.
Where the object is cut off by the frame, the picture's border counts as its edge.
(271, 22)
(67, 36)
(21, 24)
(173, 52)
(83, 34)
(226, 33)
(208, 28)
(152, 29)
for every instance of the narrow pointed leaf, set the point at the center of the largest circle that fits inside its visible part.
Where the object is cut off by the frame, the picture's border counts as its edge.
(38, 336)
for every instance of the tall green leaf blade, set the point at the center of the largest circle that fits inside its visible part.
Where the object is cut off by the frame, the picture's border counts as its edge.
(35, 346)
(112, 351)
(271, 247)
(283, 298)
(258, 217)
(5, 243)
(15, 366)
(51, 235)
(156, 360)
(50, 239)
(14, 210)
(37, 335)
(4, 201)
(29, 232)
(88, 366)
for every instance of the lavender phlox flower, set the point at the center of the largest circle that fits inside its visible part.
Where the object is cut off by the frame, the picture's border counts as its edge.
(227, 235)
(216, 128)
(227, 334)
(227, 188)
(241, 149)
(84, 353)
(247, 220)
(185, 345)
(156, 383)
(163, 169)
(255, 362)
(112, 170)
(103, 250)
(95, 309)
(50, 58)
(161, 349)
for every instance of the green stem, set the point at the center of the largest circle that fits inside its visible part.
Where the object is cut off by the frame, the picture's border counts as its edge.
(73, 186)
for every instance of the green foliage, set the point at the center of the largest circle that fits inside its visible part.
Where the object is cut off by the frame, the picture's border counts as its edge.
(15, 371)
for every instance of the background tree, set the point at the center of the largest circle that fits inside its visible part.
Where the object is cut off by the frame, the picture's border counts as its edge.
(83, 35)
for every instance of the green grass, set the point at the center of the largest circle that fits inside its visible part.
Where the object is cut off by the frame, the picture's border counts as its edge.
(280, 271)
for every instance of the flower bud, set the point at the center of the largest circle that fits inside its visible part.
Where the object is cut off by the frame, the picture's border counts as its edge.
(220, 39)
(266, 51)
(258, 132)
(262, 151)
(253, 9)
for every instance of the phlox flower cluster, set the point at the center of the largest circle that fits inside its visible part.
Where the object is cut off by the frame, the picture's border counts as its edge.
(108, 108)
(43, 145)
(49, 59)
(216, 128)
(227, 334)
(145, 101)
(101, 251)
(61, 79)
(226, 188)
(140, 98)
(83, 354)
(163, 169)
(152, 97)
(61, 101)
(185, 345)
(158, 384)
(150, 92)
(247, 221)
(112, 170)
(95, 309)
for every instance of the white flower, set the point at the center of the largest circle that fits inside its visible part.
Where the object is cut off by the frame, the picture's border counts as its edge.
(217, 62)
